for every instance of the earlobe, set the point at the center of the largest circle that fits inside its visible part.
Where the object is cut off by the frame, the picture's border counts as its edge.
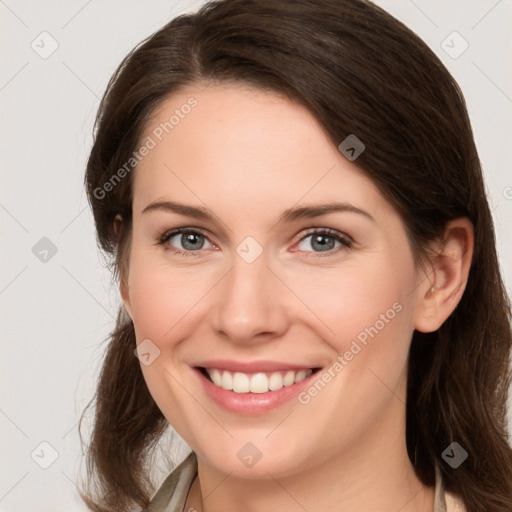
(443, 287)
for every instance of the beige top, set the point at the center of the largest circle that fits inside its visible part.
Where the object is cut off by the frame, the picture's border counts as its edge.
(172, 494)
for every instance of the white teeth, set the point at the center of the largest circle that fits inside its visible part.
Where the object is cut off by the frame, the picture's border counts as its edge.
(227, 381)
(240, 383)
(289, 378)
(275, 382)
(216, 377)
(301, 375)
(256, 382)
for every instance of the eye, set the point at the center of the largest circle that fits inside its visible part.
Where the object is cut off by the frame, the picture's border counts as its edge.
(191, 240)
(324, 240)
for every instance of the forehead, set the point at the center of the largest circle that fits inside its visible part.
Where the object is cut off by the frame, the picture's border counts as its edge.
(239, 145)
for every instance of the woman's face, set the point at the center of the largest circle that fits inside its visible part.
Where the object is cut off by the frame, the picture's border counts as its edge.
(255, 291)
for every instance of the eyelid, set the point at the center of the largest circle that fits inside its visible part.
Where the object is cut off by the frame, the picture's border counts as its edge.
(166, 235)
(328, 231)
(346, 241)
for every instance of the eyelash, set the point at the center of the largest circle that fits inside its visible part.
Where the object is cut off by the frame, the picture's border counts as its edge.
(331, 233)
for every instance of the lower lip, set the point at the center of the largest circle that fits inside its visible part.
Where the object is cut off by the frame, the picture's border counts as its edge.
(252, 403)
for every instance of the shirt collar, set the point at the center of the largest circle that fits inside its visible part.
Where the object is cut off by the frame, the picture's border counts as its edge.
(172, 494)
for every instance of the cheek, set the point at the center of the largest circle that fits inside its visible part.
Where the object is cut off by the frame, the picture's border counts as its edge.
(165, 303)
(377, 314)
(162, 299)
(358, 302)
(369, 312)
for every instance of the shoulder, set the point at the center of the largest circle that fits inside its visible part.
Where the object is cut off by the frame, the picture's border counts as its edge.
(172, 494)
(453, 503)
(446, 501)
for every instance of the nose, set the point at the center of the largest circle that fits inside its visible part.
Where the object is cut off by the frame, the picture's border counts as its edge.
(250, 303)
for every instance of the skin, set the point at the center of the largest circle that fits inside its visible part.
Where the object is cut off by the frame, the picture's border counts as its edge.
(247, 155)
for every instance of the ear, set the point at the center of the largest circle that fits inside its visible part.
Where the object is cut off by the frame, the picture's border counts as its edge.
(118, 226)
(123, 285)
(442, 289)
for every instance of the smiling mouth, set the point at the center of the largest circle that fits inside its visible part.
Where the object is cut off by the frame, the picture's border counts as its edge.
(259, 382)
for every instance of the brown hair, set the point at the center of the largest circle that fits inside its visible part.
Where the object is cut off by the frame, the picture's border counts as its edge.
(359, 71)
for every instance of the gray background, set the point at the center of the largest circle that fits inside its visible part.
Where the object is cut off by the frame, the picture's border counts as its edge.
(58, 308)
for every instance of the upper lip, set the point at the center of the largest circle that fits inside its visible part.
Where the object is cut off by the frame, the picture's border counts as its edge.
(252, 366)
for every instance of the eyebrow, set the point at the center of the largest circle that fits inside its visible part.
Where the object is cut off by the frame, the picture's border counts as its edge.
(290, 215)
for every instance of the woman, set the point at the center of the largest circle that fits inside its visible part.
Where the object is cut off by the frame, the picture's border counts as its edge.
(307, 264)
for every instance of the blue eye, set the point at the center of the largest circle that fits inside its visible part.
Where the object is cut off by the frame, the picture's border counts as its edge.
(325, 239)
(193, 241)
